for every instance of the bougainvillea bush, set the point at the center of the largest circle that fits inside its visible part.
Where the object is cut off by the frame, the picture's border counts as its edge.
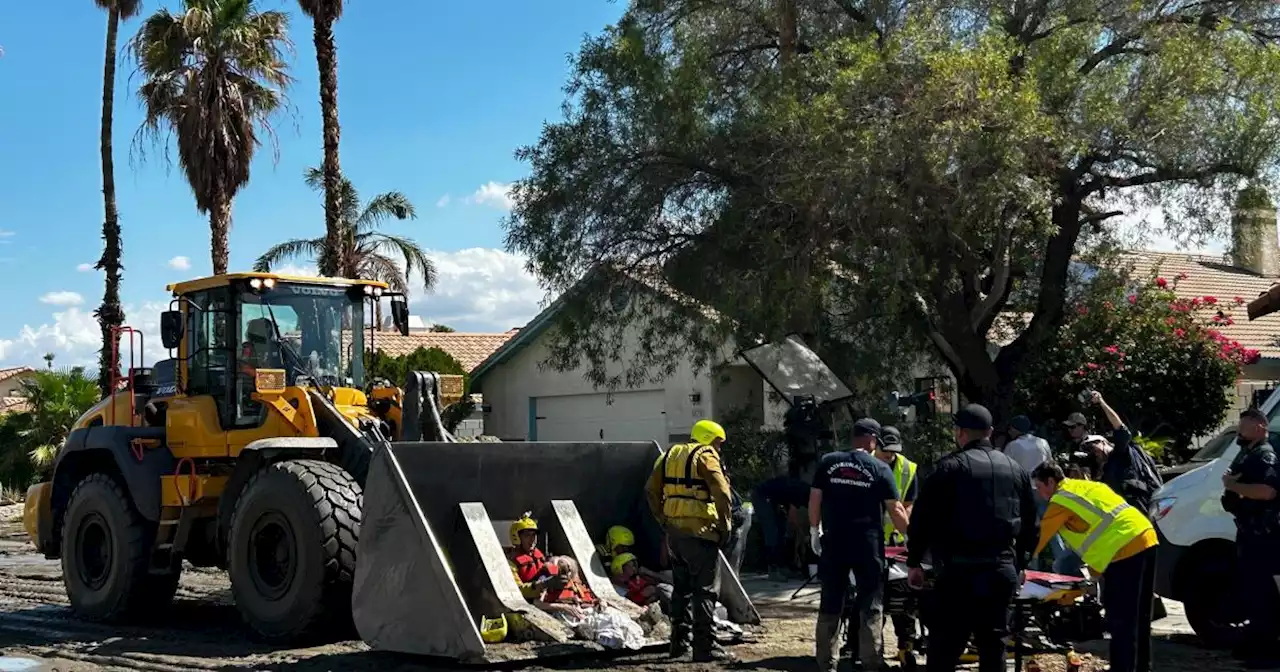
(1161, 361)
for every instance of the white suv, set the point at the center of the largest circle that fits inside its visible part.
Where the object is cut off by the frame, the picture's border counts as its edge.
(1197, 553)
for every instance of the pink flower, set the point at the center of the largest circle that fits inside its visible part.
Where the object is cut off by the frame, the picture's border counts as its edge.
(1082, 310)
(1133, 299)
(1170, 320)
(1239, 300)
(1182, 276)
(1111, 349)
(1179, 333)
(1162, 283)
(1108, 305)
(1211, 300)
(1091, 366)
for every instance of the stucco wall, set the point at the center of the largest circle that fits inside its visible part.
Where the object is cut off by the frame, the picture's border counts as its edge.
(9, 387)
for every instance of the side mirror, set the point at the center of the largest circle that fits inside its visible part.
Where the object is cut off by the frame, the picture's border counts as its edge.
(400, 314)
(171, 327)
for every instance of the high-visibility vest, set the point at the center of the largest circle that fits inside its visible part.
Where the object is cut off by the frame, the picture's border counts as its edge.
(1111, 522)
(684, 493)
(904, 471)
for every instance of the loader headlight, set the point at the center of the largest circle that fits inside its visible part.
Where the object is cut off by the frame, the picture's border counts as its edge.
(368, 289)
(1161, 507)
(269, 380)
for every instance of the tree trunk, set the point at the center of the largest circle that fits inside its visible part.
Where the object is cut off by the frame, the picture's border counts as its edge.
(110, 314)
(219, 226)
(786, 31)
(331, 261)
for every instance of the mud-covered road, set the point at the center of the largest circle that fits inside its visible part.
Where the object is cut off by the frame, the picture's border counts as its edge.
(203, 632)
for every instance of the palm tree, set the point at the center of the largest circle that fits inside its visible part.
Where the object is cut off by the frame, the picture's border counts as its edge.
(214, 75)
(56, 400)
(48, 360)
(323, 13)
(110, 314)
(366, 252)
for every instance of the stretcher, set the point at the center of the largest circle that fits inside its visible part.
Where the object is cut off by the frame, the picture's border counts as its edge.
(1050, 613)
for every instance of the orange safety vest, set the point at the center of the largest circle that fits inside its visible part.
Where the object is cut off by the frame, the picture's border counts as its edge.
(529, 565)
(573, 591)
(635, 588)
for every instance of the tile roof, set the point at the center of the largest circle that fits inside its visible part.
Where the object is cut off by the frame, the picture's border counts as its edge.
(468, 348)
(7, 373)
(13, 405)
(1215, 276)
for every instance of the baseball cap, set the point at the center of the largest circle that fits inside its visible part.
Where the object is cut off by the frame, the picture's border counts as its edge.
(1076, 419)
(974, 416)
(866, 426)
(1093, 438)
(891, 439)
(1021, 423)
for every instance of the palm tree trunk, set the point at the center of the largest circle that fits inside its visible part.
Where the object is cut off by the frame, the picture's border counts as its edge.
(331, 262)
(219, 226)
(110, 314)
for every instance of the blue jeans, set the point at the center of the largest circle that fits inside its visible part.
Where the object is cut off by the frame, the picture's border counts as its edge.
(1065, 561)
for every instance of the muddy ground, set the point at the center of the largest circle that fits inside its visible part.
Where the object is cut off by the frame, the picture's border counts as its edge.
(203, 632)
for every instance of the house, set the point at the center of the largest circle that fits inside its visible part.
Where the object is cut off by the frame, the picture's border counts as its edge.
(11, 399)
(529, 402)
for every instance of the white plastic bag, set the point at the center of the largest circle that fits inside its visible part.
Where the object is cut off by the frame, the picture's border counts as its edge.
(611, 629)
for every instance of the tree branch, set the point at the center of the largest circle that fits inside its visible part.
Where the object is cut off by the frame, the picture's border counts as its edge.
(861, 17)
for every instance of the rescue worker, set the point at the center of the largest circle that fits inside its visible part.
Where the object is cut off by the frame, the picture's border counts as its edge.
(904, 476)
(636, 586)
(1249, 494)
(851, 493)
(1117, 542)
(619, 540)
(528, 564)
(689, 495)
(976, 517)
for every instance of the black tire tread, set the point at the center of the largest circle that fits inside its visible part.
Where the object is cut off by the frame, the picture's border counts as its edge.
(144, 592)
(337, 500)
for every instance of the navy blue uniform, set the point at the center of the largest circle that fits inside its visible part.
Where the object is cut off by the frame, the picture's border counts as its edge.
(1257, 541)
(855, 486)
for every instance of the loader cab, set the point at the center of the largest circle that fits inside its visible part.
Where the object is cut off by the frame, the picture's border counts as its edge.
(232, 332)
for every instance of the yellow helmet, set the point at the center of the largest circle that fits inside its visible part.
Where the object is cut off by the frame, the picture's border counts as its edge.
(706, 431)
(619, 536)
(620, 562)
(525, 522)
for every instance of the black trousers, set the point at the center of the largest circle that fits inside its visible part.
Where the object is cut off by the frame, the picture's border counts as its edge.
(970, 601)
(695, 569)
(1257, 569)
(1127, 587)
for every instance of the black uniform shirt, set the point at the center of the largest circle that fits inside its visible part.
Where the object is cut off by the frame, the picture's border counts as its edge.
(1255, 465)
(855, 486)
(976, 507)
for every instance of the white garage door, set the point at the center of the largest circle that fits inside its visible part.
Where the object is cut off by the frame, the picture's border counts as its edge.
(633, 416)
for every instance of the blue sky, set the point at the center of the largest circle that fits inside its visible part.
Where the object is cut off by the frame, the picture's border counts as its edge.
(434, 98)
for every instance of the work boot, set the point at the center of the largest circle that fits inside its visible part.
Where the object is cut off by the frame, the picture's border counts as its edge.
(713, 654)
(827, 641)
(679, 648)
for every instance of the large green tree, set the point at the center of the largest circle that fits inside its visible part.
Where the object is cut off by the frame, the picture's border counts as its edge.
(214, 74)
(323, 14)
(365, 251)
(882, 176)
(110, 314)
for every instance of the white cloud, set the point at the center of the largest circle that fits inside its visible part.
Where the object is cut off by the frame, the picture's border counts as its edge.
(479, 289)
(180, 263)
(63, 298)
(74, 337)
(7, 234)
(444, 201)
(84, 268)
(495, 194)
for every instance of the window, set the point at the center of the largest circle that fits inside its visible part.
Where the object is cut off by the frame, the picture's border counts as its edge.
(209, 315)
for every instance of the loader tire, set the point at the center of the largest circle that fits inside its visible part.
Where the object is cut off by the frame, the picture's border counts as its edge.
(106, 552)
(293, 549)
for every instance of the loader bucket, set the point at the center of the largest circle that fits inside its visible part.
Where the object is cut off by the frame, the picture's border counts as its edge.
(431, 562)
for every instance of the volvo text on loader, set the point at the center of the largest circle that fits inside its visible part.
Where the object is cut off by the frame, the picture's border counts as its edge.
(258, 448)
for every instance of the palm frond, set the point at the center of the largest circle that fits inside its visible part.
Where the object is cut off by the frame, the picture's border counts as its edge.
(290, 249)
(413, 254)
(383, 207)
(376, 266)
(316, 8)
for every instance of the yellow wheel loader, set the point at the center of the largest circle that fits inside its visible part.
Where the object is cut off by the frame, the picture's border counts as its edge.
(257, 447)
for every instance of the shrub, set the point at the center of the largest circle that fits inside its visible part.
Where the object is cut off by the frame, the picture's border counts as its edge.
(396, 369)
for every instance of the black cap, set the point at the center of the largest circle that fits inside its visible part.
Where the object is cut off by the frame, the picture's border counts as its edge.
(1254, 414)
(1021, 423)
(975, 417)
(891, 439)
(1076, 419)
(866, 426)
